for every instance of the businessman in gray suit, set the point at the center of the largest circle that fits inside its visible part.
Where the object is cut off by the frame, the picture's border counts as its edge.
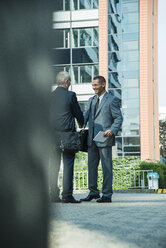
(104, 115)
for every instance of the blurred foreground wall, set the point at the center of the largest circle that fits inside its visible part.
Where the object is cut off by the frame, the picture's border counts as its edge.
(25, 77)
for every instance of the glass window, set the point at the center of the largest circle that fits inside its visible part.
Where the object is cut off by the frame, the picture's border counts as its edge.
(129, 0)
(130, 66)
(75, 38)
(95, 4)
(117, 93)
(131, 82)
(131, 148)
(114, 80)
(114, 61)
(131, 130)
(130, 28)
(130, 36)
(75, 74)
(95, 37)
(130, 74)
(114, 43)
(85, 55)
(130, 141)
(67, 4)
(86, 37)
(61, 56)
(114, 26)
(130, 103)
(95, 70)
(130, 93)
(85, 4)
(130, 56)
(74, 4)
(119, 143)
(132, 154)
(67, 38)
(130, 18)
(130, 45)
(128, 7)
(85, 74)
(114, 7)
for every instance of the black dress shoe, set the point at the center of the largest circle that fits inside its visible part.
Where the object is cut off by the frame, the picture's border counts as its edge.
(90, 197)
(70, 199)
(56, 199)
(104, 199)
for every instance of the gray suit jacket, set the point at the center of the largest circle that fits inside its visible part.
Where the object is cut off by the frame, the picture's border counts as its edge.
(108, 116)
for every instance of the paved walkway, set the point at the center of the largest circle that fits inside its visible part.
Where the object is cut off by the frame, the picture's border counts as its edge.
(132, 220)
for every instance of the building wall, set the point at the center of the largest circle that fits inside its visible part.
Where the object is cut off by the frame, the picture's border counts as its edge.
(149, 128)
(103, 44)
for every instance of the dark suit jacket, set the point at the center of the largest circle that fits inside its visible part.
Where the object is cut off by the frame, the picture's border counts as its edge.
(64, 108)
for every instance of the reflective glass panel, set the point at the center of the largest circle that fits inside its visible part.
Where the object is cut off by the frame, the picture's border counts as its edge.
(130, 18)
(85, 55)
(85, 4)
(114, 26)
(117, 93)
(132, 154)
(129, 0)
(114, 7)
(74, 4)
(75, 38)
(130, 66)
(130, 93)
(129, 45)
(131, 141)
(130, 74)
(95, 70)
(128, 7)
(130, 56)
(67, 4)
(75, 74)
(85, 74)
(131, 82)
(95, 4)
(130, 28)
(95, 37)
(86, 37)
(130, 103)
(114, 61)
(114, 43)
(67, 38)
(131, 148)
(61, 56)
(114, 80)
(131, 130)
(130, 36)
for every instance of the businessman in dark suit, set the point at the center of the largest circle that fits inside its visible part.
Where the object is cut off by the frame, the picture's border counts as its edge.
(64, 110)
(104, 115)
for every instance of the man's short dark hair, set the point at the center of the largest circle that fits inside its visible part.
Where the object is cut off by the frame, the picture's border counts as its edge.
(100, 78)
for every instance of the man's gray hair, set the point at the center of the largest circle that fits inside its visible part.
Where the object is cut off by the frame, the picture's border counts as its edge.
(62, 76)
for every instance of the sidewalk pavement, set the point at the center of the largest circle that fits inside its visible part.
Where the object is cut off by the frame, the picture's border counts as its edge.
(130, 221)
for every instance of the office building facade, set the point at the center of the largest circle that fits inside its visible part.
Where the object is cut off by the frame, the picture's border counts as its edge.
(116, 39)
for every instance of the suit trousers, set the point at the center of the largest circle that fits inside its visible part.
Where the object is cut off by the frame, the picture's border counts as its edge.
(94, 155)
(68, 166)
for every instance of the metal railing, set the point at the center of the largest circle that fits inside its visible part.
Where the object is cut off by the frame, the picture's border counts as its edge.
(127, 179)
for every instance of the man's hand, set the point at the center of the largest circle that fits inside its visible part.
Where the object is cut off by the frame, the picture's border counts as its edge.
(108, 133)
(80, 126)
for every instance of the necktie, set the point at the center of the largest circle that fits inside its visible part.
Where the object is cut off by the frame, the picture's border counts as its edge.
(97, 105)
